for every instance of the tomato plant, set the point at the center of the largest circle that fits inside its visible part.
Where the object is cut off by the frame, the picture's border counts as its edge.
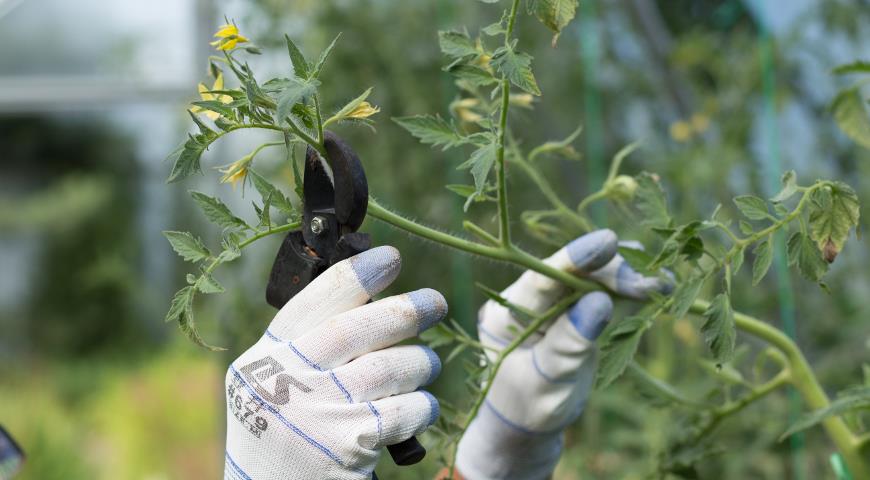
(808, 222)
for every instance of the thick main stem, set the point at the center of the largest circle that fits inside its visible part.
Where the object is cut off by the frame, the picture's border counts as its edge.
(510, 254)
(804, 381)
(504, 231)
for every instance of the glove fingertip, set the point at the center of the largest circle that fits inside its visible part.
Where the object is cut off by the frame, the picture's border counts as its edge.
(593, 250)
(590, 315)
(430, 305)
(377, 268)
(434, 407)
(434, 365)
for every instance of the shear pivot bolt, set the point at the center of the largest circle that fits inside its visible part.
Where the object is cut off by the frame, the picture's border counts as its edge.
(318, 225)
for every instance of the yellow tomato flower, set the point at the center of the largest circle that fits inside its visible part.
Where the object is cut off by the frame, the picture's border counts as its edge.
(521, 99)
(363, 110)
(681, 131)
(205, 95)
(469, 116)
(227, 30)
(228, 37)
(237, 171)
(464, 109)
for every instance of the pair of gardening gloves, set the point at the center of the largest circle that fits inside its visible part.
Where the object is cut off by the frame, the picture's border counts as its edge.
(327, 387)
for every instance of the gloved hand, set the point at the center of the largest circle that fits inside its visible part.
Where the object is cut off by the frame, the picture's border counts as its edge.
(324, 389)
(543, 385)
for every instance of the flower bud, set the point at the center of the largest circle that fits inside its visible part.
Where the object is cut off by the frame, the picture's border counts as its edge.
(622, 187)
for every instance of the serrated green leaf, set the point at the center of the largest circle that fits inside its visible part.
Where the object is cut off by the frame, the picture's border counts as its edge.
(191, 249)
(737, 260)
(215, 106)
(555, 14)
(480, 164)
(639, 260)
(719, 330)
(851, 115)
(265, 214)
(318, 67)
(852, 399)
(789, 187)
(229, 254)
(834, 211)
(207, 284)
(187, 325)
(516, 67)
(203, 128)
(763, 258)
(187, 156)
(463, 191)
(858, 66)
(266, 189)
(294, 92)
(745, 227)
(650, 200)
(438, 336)
(300, 65)
(224, 124)
(180, 301)
(686, 292)
(475, 76)
(802, 252)
(457, 44)
(752, 207)
(494, 29)
(619, 347)
(432, 130)
(217, 212)
(685, 241)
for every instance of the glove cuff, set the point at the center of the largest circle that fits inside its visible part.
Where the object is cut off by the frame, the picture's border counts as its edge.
(495, 448)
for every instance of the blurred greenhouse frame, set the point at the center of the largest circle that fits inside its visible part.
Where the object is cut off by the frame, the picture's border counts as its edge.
(724, 95)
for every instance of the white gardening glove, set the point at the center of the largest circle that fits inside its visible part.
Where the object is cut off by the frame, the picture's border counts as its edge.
(325, 389)
(543, 385)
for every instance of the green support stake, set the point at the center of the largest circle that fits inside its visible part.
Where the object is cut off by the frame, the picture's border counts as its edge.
(772, 170)
(590, 56)
(839, 467)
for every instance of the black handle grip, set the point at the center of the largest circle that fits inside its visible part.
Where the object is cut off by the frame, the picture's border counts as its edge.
(408, 452)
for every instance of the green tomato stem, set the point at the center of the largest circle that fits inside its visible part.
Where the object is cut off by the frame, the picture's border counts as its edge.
(584, 204)
(663, 388)
(550, 194)
(803, 379)
(504, 231)
(253, 238)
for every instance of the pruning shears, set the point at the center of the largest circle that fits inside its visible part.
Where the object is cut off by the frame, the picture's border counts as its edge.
(334, 207)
